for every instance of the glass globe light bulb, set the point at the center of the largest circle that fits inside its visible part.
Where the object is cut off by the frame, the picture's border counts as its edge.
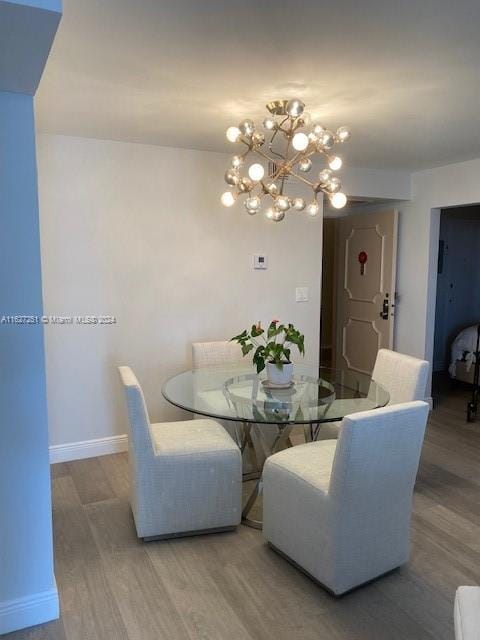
(313, 208)
(318, 129)
(344, 134)
(300, 141)
(325, 175)
(278, 216)
(228, 199)
(233, 134)
(333, 185)
(272, 188)
(312, 137)
(282, 203)
(269, 123)
(338, 200)
(270, 213)
(256, 172)
(252, 204)
(247, 127)
(295, 107)
(305, 164)
(232, 177)
(335, 163)
(327, 139)
(298, 204)
(237, 162)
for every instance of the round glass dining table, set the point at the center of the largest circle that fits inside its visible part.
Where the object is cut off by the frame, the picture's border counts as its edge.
(261, 417)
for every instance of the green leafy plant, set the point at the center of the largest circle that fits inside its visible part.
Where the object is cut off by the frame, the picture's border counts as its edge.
(273, 346)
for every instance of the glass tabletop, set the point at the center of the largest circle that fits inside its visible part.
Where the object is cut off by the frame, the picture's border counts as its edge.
(238, 393)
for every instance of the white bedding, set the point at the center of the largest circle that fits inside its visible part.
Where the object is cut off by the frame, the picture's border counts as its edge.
(463, 348)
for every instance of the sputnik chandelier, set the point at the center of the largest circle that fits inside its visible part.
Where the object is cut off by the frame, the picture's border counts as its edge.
(292, 141)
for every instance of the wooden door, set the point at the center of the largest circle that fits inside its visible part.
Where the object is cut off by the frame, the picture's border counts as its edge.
(367, 251)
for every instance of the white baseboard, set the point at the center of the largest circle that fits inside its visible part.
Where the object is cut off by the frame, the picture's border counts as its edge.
(29, 611)
(88, 448)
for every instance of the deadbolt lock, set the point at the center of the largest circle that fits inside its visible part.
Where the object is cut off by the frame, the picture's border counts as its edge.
(384, 311)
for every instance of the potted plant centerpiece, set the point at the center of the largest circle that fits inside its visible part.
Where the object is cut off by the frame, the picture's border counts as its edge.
(271, 350)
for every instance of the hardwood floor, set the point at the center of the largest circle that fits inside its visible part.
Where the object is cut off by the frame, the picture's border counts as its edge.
(233, 587)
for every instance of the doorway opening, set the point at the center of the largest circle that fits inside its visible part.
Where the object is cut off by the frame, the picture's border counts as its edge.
(328, 298)
(358, 288)
(457, 310)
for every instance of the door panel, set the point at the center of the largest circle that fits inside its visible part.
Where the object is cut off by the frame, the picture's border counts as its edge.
(361, 341)
(367, 247)
(364, 288)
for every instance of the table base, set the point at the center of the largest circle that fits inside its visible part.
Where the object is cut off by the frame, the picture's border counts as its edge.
(280, 442)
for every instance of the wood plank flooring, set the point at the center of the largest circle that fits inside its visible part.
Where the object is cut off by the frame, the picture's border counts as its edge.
(231, 586)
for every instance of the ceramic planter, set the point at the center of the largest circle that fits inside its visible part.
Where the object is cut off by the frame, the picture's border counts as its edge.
(279, 375)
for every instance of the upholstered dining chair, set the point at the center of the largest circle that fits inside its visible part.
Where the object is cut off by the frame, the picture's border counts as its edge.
(404, 377)
(340, 509)
(185, 477)
(226, 353)
(467, 613)
(216, 354)
(220, 352)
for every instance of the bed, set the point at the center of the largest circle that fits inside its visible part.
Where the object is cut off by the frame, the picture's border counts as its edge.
(462, 364)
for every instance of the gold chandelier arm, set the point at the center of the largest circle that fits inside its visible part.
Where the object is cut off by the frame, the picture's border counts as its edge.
(287, 166)
(247, 143)
(280, 128)
(264, 155)
(302, 179)
(295, 159)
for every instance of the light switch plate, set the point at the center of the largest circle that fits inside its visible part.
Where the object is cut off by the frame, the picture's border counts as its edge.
(260, 261)
(301, 294)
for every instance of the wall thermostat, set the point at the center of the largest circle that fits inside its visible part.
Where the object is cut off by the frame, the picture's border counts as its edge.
(260, 261)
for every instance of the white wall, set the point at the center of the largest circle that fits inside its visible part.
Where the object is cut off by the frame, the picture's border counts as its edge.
(138, 232)
(376, 183)
(27, 586)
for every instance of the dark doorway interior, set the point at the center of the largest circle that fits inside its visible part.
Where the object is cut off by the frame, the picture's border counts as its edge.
(457, 311)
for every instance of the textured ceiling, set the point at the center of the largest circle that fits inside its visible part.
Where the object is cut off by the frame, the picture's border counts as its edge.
(404, 75)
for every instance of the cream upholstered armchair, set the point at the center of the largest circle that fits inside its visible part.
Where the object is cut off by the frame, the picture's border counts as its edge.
(186, 477)
(404, 377)
(340, 509)
(467, 613)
